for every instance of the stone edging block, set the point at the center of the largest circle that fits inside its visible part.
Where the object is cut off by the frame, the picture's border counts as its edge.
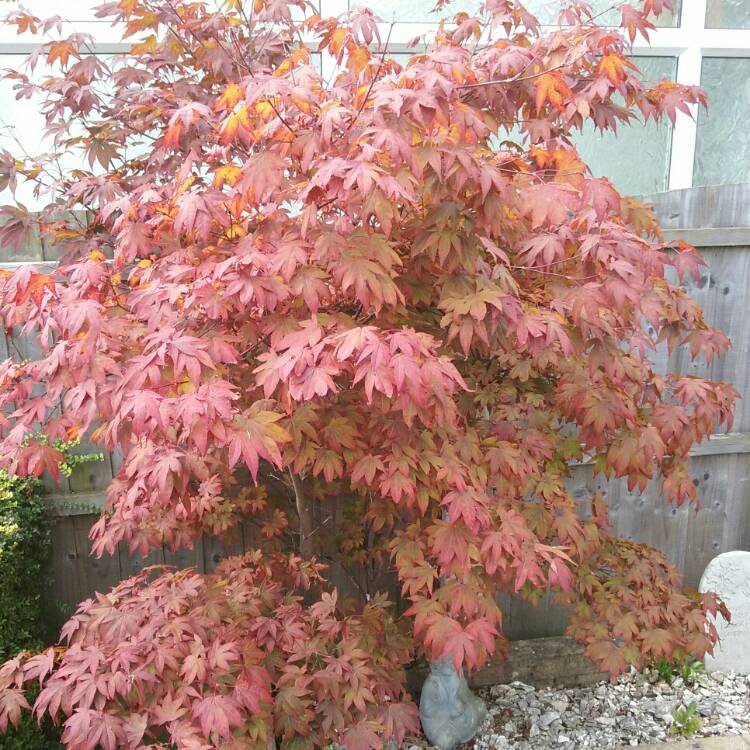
(729, 742)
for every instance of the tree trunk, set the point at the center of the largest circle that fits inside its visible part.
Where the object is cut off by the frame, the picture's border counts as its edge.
(304, 511)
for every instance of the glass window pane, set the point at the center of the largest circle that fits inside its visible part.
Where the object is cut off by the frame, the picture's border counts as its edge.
(728, 14)
(81, 10)
(722, 153)
(636, 157)
(21, 127)
(547, 11)
(415, 10)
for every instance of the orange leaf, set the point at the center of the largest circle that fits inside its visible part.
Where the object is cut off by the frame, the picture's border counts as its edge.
(613, 66)
(360, 96)
(608, 656)
(232, 94)
(336, 42)
(146, 47)
(35, 289)
(239, 119)
(147, 21)
(128, 6)
(227, 174)
(172, 134)
(61, 51)
(659, 642)
(25, 22)
(358, 60)
(551, 87)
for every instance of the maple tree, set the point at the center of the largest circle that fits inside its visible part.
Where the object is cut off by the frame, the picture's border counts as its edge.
(378, 317)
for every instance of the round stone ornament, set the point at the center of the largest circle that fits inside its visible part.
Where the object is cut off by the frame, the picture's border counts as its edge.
(728, 575)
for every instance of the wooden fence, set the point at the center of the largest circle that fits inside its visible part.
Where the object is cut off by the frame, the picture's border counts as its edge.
(717, 220)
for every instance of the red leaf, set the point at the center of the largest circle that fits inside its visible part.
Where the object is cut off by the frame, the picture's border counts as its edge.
(217, 713)
(607, 656)
(362, 736)
(658, 642)
(548, 203)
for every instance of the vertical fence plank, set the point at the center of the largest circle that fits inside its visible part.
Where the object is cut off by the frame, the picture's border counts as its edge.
(186, 558)
(523, 620)
(31, 251)
(64, 571)
(736, 533)
(723, 484)
(94, 574)
(93, 476)
(132, 564)
(722, 293)
(215, 549)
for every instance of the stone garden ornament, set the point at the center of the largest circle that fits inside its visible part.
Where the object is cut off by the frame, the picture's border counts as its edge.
(450, 713)
(729, 576)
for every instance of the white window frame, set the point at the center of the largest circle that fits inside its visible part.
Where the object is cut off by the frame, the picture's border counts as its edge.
(692, 42)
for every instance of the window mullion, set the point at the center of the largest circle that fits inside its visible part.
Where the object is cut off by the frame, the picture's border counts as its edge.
(685, 132)
(685, 129)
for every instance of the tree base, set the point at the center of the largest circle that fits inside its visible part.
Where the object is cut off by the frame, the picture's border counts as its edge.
(450, 713)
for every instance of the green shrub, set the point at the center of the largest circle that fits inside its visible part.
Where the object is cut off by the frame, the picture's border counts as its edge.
(24, 549)
(31, 736)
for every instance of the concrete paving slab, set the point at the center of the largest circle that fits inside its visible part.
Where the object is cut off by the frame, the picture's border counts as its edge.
(730, 742)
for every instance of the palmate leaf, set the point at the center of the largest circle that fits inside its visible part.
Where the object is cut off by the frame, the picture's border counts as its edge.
(257, 436)
(362, 736)
(608, 656)
(12, 702)
(659, 642)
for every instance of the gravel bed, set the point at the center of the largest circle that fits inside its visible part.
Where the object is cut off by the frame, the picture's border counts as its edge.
(637, 709)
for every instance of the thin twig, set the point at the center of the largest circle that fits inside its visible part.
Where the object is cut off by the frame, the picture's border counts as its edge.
(374, 78)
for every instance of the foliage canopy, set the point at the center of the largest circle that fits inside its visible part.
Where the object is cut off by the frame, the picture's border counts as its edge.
(395, 293)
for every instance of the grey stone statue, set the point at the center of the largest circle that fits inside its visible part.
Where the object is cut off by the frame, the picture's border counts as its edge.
(450, 713)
